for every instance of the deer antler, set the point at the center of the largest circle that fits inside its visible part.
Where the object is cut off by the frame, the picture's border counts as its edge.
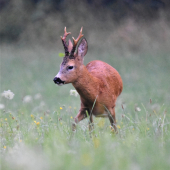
(75, 42)
(64, 41)
(78, 38)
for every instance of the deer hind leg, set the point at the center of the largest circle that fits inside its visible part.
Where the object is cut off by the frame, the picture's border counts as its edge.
(112, 118)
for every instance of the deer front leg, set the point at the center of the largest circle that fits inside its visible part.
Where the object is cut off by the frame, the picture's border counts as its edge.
(80, 116)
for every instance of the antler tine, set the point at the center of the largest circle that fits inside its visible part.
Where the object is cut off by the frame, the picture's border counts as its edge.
(64, 41)
(65, 34)
(78, 38)
(75, 43)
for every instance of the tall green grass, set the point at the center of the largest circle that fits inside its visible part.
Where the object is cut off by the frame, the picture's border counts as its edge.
(36, 134)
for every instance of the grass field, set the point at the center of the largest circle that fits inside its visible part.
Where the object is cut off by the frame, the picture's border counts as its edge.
(35, 126)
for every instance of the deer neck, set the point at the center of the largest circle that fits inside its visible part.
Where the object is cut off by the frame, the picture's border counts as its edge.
(86, 85)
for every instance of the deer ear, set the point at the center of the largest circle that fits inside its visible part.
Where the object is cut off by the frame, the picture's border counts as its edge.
(82, 48)
(70, 45)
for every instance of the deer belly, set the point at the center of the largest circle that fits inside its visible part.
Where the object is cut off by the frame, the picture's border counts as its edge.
(100, 113)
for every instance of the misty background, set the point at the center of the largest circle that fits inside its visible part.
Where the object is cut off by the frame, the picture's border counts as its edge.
(120, 26)
(131, 35)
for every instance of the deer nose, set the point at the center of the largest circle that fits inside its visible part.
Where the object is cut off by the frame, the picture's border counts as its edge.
(58, 81)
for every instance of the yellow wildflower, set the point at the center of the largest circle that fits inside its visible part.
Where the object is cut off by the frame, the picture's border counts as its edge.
(70, 107)
(96, 142)
(4, 147)
(41, 118)
(86, 159)
(6, 119)
(118, 126)
(71, 117)
(32, 116)
(101, 123)
(147, 128)
(38, 123)
(34, 121)
(112, 129)
(61, 108)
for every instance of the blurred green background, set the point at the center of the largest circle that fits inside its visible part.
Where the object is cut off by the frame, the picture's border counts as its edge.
(131, 35)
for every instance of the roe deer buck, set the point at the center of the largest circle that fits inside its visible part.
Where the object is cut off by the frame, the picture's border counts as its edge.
(97, 83)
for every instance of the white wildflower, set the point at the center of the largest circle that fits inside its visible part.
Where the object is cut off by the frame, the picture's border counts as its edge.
(8, 94)
(14, 129)
(2, 106)
(73, 93)
(138, 109)
(42, 104)
(155, 107)
(37, 96)
(27, 99)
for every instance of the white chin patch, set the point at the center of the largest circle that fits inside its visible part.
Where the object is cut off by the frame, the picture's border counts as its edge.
(61, 84)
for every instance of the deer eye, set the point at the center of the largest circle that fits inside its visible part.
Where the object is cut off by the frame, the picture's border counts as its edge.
(70, 67)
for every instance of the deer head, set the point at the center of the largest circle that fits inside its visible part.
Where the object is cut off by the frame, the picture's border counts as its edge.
(72, 61)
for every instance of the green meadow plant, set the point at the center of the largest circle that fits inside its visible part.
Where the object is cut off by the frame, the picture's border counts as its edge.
(142, 141)
(36, 124)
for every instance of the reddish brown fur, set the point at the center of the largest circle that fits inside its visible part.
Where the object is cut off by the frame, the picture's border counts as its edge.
(96, 81)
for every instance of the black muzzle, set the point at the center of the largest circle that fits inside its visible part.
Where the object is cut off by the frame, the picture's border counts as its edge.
(58, 81)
